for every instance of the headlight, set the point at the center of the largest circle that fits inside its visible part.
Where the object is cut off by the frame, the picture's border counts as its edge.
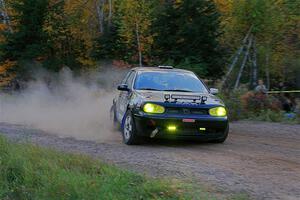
(153, 108)
(218, 112)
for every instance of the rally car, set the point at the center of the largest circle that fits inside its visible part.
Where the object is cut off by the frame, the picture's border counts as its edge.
(164, 102)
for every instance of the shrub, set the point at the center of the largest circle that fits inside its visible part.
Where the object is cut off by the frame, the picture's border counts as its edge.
(243, 104)
(234, 104)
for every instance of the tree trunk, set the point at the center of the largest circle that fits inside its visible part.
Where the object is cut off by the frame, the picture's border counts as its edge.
(243, 63)
(5, 15)
(100, 14)
(236, 57)
(110, 13)
(250, 60)
(139, 44)
(267, 71)
(298, 77)
(254, 64)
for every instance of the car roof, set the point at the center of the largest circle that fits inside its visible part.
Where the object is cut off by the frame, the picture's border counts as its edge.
(160, 69)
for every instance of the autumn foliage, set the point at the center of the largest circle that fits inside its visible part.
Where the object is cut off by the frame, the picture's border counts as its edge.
(194, 34)
(5, 75)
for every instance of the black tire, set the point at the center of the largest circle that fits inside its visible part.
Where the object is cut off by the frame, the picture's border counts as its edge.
(222, 140)
(129, 133)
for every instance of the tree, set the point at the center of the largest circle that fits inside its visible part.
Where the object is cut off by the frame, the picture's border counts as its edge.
(52, 32)
(127, 31)
(274, 24)
(187, 32)
(68, 40)
(27, 41)
(134, 23)
(4, 15)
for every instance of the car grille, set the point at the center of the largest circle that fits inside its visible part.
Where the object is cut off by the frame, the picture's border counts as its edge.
(187, 111)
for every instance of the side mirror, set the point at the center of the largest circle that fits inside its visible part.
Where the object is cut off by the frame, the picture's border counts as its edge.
(214, 90)
(123, 87)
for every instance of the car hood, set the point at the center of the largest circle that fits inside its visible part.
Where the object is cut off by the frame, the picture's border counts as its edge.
(159, 96)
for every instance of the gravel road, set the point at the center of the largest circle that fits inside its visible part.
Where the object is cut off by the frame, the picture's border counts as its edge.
(260, 159)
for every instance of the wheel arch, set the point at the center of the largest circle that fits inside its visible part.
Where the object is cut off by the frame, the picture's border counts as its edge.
(124, 116)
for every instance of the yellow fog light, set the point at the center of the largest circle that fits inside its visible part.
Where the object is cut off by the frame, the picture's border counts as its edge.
(172, 128)
(218, 112)
(153, 108)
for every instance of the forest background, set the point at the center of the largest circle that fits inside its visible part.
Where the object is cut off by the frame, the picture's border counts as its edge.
(201, 35)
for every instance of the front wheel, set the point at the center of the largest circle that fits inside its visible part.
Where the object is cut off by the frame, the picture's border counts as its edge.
(130, 136)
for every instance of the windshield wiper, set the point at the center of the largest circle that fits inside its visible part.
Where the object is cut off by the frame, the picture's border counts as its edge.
(165, 90)
(178, 90)
(148, 89)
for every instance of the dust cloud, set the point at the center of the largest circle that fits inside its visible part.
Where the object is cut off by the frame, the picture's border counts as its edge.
(65, 105)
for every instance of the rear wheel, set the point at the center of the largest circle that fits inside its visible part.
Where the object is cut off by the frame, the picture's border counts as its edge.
(130, 136)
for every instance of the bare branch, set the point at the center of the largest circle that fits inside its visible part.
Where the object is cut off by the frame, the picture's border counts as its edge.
(254, 64)
(267, 70)
(100, 14)
(243, 63)
(237, 55)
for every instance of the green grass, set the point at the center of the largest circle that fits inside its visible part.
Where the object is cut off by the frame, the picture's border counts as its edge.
(31, 172)
(273, 116)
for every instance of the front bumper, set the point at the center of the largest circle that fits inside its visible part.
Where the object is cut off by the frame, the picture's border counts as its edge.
(215, 127)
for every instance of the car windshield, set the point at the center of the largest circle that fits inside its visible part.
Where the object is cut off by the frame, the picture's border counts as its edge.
(169, 81)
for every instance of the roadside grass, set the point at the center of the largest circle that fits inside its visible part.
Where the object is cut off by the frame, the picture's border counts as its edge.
(272, 116)
(31, 172)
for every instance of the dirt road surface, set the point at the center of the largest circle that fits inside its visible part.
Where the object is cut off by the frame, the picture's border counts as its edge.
(260, 159)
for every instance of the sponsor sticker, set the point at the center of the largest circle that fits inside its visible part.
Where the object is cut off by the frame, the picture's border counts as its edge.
(189, 120)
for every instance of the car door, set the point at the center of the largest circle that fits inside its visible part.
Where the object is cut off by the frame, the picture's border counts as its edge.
(124, 96)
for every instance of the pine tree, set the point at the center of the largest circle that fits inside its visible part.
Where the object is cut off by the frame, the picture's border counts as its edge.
(129, 36)
(26, 42)
(187, 34)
